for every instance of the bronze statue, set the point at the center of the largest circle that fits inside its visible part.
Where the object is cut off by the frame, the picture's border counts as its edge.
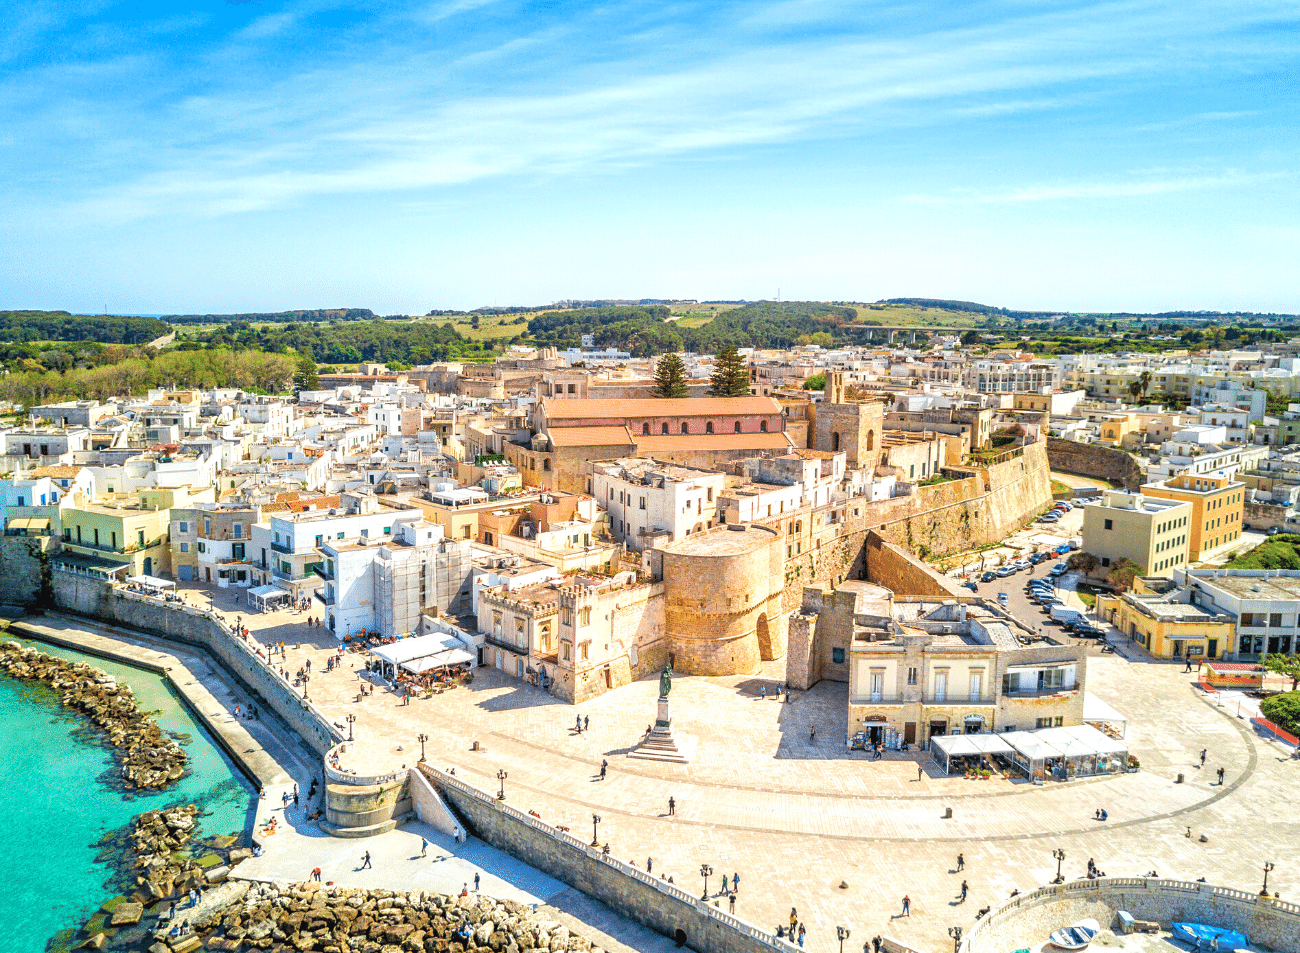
(666, 681)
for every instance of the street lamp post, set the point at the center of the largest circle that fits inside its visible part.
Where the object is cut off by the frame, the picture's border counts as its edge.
(705, 872)
(1060, 857)
(350, 719)
(501, 776)
(422, 738)
(843, 934)
(1268, 866)
(955, 933)
(595, 830)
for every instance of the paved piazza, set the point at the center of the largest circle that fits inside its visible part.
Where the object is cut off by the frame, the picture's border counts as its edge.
(838, 836)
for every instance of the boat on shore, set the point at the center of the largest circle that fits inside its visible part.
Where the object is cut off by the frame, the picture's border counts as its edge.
(1076, 936)
(1205, 937)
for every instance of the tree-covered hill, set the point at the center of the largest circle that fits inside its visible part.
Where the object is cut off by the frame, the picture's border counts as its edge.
(277, 317)
(62, 326)
(397, 343)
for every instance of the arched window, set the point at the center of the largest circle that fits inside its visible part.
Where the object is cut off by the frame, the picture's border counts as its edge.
(871, 439)
(665, 430)
(737, 426)
(708, 428)
(762, 426)
(645, 430)
(686, 428)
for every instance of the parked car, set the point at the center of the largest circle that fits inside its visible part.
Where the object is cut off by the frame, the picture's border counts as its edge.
(1048, 601)
(1089, 631)
(1058, 569)
(1005, 571)
(1037, 558)
(988, 576)
(1062, 549)
(1041, 585)
(971, 586)
(1049, 518)
(1002, 598)
(1076, 544)
(1065, 506)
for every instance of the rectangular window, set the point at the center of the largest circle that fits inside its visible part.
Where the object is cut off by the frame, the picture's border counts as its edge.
(911, 676)
(185, 547)
(185, 527)
(940, 686)
(585, 650)
(239, 530)
(837, 656)
(1275, 619)
(1110, 524)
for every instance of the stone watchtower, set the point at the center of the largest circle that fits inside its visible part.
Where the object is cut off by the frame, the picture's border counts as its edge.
(723, 587)
(854, 428)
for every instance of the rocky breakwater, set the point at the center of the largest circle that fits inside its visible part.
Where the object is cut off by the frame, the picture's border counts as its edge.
(329, 919)
(150, 760)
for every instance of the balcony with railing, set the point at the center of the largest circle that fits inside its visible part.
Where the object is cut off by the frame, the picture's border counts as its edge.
(279, 573)
(955, 699)
(501, 642)
(282, 548)
(877, 698)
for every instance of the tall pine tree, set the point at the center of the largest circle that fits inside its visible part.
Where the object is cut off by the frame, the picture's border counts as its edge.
(305, 376)
(730, 375)
(670, 377)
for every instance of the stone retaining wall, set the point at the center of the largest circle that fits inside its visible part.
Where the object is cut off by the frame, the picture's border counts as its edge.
(630, 891)
(1094, 460)
(176, 622)
(1026, 921)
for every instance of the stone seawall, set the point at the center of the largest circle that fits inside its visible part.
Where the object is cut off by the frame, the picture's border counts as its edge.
(23, 562)
(1025, 921)
(176, 622)
(628, 890)
(1096, 461)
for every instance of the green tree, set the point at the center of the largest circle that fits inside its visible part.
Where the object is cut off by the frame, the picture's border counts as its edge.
(670, 377)
(305, 376)
(1288, 665)
(1085, 563)
(730, 375)
(1135, 389)
(1123, 573)
(1283, 710)
(1145, 380)
(816, 382)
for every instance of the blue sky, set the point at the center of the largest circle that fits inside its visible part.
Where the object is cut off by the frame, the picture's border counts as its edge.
(406, 156)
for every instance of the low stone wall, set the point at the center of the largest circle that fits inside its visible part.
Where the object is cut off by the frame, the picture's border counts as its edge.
(187, 625)
(628, 890)
(363, 805)
(896, 569)
(1026, 921)
(1094, 460)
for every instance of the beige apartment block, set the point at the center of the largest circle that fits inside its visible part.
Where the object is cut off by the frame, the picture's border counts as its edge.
(1217, 504)
(1151, 532)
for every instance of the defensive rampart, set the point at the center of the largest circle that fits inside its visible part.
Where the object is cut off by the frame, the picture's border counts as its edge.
(1026, 920)
(177, 622)
(630, 891)
(1094, 460)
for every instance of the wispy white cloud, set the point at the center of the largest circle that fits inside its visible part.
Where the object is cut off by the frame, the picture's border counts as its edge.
(403, 119)
(1132, 188)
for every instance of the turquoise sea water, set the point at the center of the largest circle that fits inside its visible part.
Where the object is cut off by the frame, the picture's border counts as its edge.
(59, 804)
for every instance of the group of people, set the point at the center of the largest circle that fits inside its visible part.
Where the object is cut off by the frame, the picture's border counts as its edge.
(795, 933)
(250, 712)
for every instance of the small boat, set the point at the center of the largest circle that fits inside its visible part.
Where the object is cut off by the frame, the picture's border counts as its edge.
(1076, 936)
(1204, 937)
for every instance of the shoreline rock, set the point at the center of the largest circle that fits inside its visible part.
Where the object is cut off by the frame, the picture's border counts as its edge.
(150, 760)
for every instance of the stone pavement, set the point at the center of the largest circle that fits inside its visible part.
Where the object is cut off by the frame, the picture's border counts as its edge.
(800, 818)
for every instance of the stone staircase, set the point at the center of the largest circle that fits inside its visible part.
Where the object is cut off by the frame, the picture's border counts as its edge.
(658, 745)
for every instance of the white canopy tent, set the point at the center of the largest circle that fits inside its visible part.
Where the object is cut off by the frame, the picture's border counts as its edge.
(152, 583)
(943, 748)
(1099, 714)
(1077, 751)
(262, 598)
(420, 653)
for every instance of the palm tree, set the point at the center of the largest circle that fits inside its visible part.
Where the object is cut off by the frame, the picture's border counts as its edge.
(1145, 379)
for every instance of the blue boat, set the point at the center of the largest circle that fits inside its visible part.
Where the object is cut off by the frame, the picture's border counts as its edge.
(1204, 937)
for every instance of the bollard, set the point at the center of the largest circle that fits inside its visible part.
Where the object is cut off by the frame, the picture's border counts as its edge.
(947, 813)
(1180, 778)
(474, 746)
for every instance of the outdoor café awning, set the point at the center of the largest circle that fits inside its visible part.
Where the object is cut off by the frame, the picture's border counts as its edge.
(449, 657)
(958, 745)
(267, 595)
(404, 650)
(1097, 712)
(151, 582)
(30, 524)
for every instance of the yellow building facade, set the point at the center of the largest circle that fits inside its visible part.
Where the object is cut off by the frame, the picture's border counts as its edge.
(1155, 617)
(1218, 502)
(130, 535)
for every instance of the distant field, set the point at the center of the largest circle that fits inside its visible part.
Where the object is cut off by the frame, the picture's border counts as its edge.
(489, 325)
(906, 315)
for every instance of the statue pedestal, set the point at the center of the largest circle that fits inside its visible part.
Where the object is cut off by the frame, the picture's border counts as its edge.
(658, 743)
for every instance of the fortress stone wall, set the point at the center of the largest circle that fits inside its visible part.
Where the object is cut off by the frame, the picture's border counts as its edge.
(1096, 461)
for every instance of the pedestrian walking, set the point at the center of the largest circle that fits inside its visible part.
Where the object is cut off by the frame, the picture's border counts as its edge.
(794, 920)
(964, 888)
(1203, 751)
(907, 905)
(424, 847)
(735, 881)
(672, 807)
(812, 733)
(762, 692)
(476, 883)
(801, 931)
(315, 874)
(919, 771)
(604, 766)
(649, 865)
(876, 943)
(1189, 666)
(731, 902)
(961, 862)
(577, 724)
(724, 884)
(295, 798)
(586, 722)
(1220, 777)
(365, 860)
